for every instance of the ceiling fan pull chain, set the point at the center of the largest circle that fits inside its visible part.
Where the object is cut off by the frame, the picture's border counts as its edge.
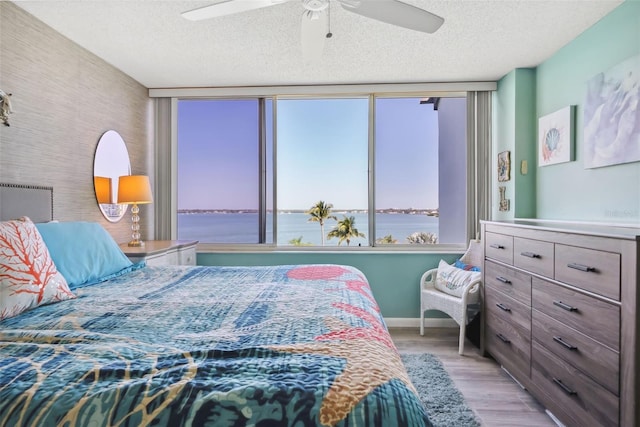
(329, 34)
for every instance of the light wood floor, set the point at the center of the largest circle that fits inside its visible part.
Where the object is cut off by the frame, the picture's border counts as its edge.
(494, 397)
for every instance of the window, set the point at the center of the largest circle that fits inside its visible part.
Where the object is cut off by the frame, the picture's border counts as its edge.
(420, 170)
(219, 170)
(322, 158)
(343, 171)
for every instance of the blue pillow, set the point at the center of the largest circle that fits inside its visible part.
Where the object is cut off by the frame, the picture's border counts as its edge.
(464, 266)
(84, 252)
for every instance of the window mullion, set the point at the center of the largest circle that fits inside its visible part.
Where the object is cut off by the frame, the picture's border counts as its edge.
(274, 173)
(262, 173)
(371, 173)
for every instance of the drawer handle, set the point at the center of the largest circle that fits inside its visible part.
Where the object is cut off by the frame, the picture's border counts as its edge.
(564, 343)
(495, 246)
(581, 267)
(564, 306)
(530, 255)
(503, 280)
(503, 307)
(564, 387)
(503, 339)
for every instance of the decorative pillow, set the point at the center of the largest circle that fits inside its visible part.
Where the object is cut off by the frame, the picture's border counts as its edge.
(28, 275)
(453, 280)
(463, 266)
(84, 252)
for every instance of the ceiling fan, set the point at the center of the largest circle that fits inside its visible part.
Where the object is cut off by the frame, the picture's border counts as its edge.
(315, 16)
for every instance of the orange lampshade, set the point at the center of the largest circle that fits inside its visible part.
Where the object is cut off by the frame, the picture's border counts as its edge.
(134, 189)
(102, 186)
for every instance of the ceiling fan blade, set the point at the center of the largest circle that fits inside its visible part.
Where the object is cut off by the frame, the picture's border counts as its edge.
(395, 12)
(313, 34)
(228, 7)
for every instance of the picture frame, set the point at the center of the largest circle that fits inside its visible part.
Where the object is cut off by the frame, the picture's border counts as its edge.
(556, 137)
(504, 166)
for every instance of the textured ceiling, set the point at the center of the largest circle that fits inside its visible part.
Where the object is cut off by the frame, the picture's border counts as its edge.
(479, 41)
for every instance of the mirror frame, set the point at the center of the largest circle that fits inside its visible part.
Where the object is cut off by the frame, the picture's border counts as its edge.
(111, 160)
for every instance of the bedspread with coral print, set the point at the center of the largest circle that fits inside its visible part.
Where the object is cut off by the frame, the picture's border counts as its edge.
(197, 346)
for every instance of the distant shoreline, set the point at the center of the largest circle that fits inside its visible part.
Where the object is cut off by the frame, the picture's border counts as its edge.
(406, 211)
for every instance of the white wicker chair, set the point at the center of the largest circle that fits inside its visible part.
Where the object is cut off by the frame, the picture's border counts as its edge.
(433, 299)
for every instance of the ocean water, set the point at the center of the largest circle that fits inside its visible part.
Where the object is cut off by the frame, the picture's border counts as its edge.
(243, 227)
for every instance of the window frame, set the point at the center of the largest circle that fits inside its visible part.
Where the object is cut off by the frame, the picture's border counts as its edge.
(318, 92)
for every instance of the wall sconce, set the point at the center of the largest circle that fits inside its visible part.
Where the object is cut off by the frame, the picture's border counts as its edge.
(102, 185)
(134, 190)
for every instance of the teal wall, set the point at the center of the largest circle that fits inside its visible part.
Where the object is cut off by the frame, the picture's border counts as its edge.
(514, 131)
(504, 129)
(525, 145)
(394, 277)
(567, 191)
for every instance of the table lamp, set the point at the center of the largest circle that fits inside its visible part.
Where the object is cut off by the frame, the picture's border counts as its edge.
(134, 190)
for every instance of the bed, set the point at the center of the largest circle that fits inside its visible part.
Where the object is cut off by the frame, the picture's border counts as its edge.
(294, 345)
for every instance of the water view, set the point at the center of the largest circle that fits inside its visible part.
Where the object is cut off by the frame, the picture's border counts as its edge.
(243, 227)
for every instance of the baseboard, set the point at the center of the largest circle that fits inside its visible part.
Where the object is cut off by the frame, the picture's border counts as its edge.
(408, 322)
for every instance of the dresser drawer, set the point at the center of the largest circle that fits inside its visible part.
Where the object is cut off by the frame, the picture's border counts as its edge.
(167, 258)
(511, 282)
(596, 360)
(595, 271)
(581, 398)
(187, 256)
(591, 316)
(533, 255)
(508, 331)
(499, 246)
(508, 309)
(509, 348)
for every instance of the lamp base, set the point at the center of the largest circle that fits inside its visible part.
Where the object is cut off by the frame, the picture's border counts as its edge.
(135, 228)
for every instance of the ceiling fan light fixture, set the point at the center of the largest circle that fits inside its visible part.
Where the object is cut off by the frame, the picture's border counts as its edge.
(315, 5)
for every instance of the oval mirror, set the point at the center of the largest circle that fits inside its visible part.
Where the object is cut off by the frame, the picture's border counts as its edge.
(110, 162)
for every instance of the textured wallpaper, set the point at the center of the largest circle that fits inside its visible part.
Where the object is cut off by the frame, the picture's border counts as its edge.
(64, 98)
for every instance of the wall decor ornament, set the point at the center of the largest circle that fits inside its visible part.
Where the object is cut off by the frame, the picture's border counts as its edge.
(504, 202)
(556, 137)
(5, 107)
(612, 116)
(504, 166)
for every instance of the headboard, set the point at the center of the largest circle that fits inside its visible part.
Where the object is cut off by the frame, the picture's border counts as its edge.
(33, 201)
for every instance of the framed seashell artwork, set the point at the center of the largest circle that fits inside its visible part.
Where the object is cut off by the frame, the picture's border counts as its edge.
(556, 137)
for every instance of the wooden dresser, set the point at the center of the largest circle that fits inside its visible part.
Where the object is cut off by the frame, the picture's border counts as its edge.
(561, 316)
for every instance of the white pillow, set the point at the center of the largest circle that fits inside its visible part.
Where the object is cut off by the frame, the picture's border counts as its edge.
(453, 280)
(28, 276)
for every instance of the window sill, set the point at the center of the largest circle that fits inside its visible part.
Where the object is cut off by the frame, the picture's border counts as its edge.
(390, 249)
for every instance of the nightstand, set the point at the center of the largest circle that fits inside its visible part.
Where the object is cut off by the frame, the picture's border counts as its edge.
(163, 252)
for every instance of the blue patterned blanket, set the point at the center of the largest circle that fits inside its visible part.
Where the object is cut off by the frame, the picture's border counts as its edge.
(208, 346)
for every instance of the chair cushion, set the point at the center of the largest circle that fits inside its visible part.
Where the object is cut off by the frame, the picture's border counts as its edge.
(453, 280)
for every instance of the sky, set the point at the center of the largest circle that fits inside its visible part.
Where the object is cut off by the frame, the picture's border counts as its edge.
(322, 147)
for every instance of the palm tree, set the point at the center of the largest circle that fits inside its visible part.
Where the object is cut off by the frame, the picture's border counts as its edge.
(345, 230)
(386, 240)
(422, 238)
(320, 212)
